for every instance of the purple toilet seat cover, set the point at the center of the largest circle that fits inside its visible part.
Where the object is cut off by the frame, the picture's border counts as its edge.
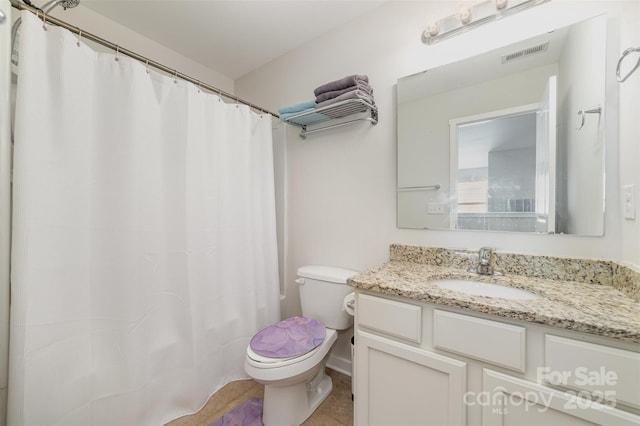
(288, 338)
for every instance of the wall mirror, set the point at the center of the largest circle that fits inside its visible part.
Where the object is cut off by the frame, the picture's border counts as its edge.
(510, 140)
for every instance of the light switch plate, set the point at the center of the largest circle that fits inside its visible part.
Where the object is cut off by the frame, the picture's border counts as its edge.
(435, 208)
(629, 201)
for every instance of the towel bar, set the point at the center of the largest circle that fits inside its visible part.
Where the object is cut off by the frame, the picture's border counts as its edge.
(305, 132)
(420, 188)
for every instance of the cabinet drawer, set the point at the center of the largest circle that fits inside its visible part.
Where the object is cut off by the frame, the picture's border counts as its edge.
(513, 401)
(388, 316)
(489, 341)
(598, 369)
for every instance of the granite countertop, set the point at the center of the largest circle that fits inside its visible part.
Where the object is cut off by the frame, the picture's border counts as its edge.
(578, 306)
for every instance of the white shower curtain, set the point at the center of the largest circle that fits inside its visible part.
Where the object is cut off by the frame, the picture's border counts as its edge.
(144, 248)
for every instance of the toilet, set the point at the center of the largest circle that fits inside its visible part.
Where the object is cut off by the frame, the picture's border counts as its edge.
(293, 373)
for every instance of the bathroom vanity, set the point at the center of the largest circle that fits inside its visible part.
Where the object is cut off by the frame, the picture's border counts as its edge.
(430, 355)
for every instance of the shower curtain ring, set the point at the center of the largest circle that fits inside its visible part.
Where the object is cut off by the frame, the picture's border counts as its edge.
(237, 100)
(199, 88)
(147, 66)
(44, 20)
(117, 53)
(175, 76)
(79, 37)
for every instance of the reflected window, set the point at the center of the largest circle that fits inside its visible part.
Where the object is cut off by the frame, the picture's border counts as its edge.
(496, 177)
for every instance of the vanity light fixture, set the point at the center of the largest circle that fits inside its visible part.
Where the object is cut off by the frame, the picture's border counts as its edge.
(469, 15)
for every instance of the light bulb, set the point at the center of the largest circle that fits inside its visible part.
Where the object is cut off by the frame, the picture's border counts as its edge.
(501, 4)
(432, 28)
(464, 12)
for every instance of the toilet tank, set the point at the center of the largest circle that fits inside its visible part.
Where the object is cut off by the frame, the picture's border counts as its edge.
(322, 291)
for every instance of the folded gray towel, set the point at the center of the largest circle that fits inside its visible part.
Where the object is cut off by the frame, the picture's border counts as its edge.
(343, 83)
(364, 87)
(352, 94)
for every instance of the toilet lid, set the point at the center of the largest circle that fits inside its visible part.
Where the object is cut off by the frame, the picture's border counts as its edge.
(288, 338)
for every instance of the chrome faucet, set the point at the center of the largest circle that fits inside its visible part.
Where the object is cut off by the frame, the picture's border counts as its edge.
(484, 261)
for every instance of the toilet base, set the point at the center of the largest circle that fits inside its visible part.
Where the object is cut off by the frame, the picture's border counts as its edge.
(291, 405)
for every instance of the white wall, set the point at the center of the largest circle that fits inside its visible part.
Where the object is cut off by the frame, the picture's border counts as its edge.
(630, 133)
(341, 183)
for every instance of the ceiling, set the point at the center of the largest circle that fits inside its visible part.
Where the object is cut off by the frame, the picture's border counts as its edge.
(232, 37)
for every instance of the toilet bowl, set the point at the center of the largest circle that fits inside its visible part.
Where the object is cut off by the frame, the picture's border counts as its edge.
(296, 384)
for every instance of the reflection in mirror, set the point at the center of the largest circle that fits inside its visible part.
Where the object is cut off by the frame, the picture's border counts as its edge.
(490, 143)
(495, 174)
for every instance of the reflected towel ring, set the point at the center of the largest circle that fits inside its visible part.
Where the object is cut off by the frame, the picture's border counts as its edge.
(624, 54)
(582, 113)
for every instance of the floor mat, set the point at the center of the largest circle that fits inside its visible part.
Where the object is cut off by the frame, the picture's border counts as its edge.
(248, 413)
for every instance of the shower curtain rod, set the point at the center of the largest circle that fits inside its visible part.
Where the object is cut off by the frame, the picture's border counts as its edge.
(83, 34)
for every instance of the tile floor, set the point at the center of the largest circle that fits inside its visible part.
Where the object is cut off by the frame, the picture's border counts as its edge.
(336, 410)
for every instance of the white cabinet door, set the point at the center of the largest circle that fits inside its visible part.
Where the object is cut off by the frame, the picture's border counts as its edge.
(398, 384)
(508, 401)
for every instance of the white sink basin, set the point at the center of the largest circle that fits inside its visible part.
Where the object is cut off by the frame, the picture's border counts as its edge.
(479, 288)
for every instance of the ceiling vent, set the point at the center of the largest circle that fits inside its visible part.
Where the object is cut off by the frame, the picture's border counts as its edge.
(538, 48)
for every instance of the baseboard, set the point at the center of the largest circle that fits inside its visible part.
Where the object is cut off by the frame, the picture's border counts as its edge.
(341, 365)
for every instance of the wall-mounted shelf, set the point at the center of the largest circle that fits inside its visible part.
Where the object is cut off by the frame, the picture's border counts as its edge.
(331, 112)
